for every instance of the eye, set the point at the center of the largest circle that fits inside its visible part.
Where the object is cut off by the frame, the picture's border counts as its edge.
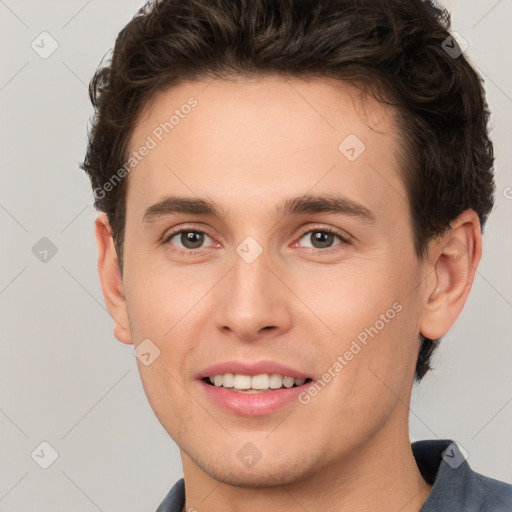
(322, 238)
(190, 240)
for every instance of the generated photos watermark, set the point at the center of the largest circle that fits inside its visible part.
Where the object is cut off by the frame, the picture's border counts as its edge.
(357, 345)
(152, 141)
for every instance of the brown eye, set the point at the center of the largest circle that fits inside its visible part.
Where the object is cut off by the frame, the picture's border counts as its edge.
(187, 239)
(322, 238)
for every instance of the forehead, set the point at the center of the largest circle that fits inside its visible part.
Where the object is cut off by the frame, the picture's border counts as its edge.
(237, 141)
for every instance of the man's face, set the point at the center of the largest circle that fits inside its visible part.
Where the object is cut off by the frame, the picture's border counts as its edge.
(260, 290)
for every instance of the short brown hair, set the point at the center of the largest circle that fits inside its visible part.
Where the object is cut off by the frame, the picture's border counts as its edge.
(396, 51)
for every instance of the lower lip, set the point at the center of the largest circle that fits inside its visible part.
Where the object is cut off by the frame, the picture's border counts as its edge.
(252, 404)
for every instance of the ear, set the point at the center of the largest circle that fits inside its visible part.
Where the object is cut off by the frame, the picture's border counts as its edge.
(454, 259)
(110, 278)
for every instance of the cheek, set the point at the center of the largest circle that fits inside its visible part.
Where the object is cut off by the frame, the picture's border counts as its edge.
(166, 389)
(371, 344)
(350, 299)
(160, 303)
(371, 382)
(161, 298)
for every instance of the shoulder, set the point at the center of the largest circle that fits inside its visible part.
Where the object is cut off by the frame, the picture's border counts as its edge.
(455, 485)
(175, 499)
(491, 495)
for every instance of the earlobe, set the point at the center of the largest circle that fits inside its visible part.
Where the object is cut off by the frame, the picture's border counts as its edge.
(110, 278)
(455, 258)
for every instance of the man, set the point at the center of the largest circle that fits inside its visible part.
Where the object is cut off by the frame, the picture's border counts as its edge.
(292, 195)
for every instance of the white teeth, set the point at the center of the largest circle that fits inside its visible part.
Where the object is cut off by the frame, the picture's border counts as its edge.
(288, 382)
(263, 381)
(242, 382)
(228, 380)
(260, 381)
(276, 381)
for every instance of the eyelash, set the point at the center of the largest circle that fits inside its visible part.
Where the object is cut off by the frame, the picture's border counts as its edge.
(318, 229)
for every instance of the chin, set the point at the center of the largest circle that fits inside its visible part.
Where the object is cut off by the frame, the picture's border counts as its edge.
(262, 475)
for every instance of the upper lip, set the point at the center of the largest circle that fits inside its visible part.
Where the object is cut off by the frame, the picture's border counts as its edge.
(251, 368)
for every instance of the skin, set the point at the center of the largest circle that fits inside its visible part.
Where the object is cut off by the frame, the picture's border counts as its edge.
(248, 145)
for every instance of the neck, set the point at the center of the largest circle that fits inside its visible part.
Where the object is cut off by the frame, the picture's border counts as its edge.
(379, 475)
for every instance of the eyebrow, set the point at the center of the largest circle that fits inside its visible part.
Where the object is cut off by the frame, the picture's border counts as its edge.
(325, 203)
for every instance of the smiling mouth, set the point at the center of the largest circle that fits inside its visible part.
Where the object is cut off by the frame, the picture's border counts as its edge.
(254, 384)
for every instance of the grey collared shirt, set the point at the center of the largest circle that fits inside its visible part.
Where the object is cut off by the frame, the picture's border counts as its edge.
(455, 486)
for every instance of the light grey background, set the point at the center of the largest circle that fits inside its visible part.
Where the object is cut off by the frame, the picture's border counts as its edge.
(66, 380)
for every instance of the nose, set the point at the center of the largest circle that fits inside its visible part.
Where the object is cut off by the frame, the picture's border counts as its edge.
(252, 301)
